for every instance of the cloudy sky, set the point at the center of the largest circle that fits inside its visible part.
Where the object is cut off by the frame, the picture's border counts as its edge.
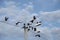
(47, 11)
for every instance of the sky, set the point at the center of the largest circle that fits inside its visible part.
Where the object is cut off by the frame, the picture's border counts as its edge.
(46, 11)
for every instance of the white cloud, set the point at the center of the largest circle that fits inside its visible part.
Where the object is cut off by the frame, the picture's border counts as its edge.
(56, 33)
(51, 16)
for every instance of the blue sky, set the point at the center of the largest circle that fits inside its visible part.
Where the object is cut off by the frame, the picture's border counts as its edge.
(48, 11)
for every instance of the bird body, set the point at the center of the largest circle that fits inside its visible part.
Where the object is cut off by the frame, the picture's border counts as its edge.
(18, 23)
(37, 35)
(35, 29)
(34, 17)
(6, 18)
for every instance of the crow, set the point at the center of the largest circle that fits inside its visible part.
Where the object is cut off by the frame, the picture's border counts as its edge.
(32, 28)
(24, 26)
(35, 29)
(33, 19)
(18, 23)
(28, 29)
(37, 35)
(38, 31)
(6, 18)
(28, 24)
(38, 23)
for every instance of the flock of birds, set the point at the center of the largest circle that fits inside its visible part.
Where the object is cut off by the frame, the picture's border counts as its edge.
(29, 25)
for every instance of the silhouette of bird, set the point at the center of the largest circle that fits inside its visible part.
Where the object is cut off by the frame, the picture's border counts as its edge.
(28, 29)
(34, 17)
(28, 24)
(38, 31)
(38, 23)
(35, 29)
(6, 18)
(32, 21)
(32, 28)
(24, 26)
(37, 35)
(18, 23)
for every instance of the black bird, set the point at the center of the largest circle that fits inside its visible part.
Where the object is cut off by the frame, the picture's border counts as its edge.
(38, 23)
(28, 29)
(38, 31)
(28, 24)
(37, 35)
(24, 26)
(6, 18)
(32, 21)
(34, 17)
(18, 23)
(35, 29)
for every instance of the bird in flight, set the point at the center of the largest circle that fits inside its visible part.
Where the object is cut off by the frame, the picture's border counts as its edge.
(33, 19)
(38, 23)
(37, 35)
(24, 26)
(35, 29)
(6, 18)
(18, 23)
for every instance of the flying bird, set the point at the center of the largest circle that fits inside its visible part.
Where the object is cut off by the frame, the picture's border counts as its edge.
(37, 35)
(35, 29)
(18, 23)
(38, 31)
(28, 29)
(33, 19)
(28, 24)
(6, 18)
(24, 26)
(38, 23)
(32, 28)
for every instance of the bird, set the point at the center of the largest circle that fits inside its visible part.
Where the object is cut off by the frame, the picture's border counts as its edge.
(24, 26)
(18, 23)
(6, 18)
(35, 29)
(32, 28)
(38, 31)
(28, 29)
(38, 23)
(33, 19)
(37, 35)
(28, 24)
